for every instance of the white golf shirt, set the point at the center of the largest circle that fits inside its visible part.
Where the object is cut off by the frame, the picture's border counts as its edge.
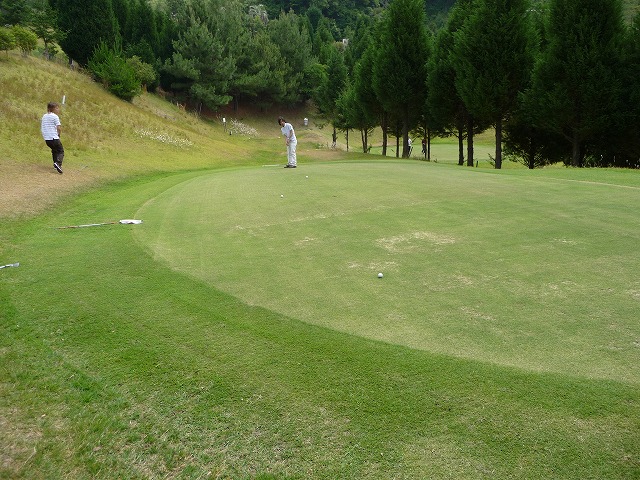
(288, 131)
(49, 126)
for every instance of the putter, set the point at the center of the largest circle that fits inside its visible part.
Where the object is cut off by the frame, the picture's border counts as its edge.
(126, 221)
(10, 265)
(88, 225)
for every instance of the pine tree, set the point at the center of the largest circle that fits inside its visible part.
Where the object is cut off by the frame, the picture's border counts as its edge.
(577, 81)
(289, 33)
(86, 23)
(447, 110)
(493, 60)
(200, 68)
(400, 67)
(632, 125)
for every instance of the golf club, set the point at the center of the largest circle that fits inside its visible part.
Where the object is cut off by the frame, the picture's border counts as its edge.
(10, 265)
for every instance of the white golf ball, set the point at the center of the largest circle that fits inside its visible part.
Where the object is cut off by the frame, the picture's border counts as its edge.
(380, 275)
(306, 176)
(281, 196)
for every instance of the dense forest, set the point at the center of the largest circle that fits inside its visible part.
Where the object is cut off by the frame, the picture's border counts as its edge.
(558, 80)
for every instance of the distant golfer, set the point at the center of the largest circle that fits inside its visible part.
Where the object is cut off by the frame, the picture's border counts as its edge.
(50, 128)
(291, 142)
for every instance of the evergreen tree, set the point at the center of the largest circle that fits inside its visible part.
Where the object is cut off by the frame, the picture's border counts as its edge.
(14, 12)
(323, 41)
(446, 108)
(493, 60)
(400, 67)
(631, 129)
(362, 104)
(86, 23)
(122, 11)
(260, 74)
(332, 88)
(524, 142)
(293, 41)
(199, 66)
(109, 66)
(577, 80)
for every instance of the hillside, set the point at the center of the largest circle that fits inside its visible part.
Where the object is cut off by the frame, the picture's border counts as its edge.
(106, 139)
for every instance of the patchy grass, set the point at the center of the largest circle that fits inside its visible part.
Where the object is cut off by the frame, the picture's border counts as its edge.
(240, 334)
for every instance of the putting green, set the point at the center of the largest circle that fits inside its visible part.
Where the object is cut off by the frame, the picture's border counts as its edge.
(489, 266)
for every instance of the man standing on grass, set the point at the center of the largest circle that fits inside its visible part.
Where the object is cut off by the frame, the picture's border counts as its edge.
(291, 142)
(50, 128)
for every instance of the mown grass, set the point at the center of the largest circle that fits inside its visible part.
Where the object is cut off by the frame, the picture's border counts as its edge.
(114, 365)
(470, 259)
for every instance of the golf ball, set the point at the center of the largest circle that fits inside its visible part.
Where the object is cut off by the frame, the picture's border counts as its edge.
(281, 196)
(306, 176)
(380, 275)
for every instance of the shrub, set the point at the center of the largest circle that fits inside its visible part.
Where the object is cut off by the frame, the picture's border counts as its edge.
(25, 39)
(7, 40)
(144, 72)
(109, 67)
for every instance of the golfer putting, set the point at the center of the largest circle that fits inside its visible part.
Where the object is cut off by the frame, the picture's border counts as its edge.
(290, 140)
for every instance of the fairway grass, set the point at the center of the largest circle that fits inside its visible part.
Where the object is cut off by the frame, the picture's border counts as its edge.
(126, 356)
(241, 331)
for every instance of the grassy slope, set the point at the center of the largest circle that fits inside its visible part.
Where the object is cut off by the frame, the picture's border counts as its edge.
(106, 139)
(113, 366)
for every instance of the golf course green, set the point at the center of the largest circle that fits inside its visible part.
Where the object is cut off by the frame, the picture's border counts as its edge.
(497, 269)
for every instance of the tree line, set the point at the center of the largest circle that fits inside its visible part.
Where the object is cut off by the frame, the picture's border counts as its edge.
(557, 80)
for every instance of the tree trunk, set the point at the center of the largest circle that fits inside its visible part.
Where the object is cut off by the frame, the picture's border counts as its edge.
(405, 136)
(470, 141)
(576, 159)
(499, 144)
(460, 144)
(384, 134)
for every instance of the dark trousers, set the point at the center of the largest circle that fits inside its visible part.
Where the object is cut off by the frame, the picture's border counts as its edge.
(57, 150)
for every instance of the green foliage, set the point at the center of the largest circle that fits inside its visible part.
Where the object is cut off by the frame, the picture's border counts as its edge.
(14, 12)
(577, 80)
(87, 23)
(110, 67)
(399, 70)
(261, 72)
(334, 83)
(7, 40)
(360, 104)
(445, 106)
(632, 95)
(25, 39)
(282, 52)
(200, 67)
(289, 33)
(144, 72)
(44, 23)
(493, 58)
